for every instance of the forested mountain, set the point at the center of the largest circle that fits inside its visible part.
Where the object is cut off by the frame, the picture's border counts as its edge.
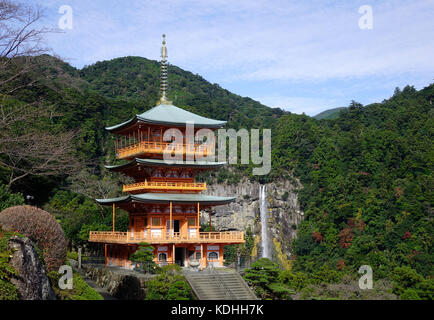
(135, 79)
(368, 185)
(367, 175)
(329, 114)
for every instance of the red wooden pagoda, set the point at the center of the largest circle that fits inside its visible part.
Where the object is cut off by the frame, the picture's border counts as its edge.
(165, 201)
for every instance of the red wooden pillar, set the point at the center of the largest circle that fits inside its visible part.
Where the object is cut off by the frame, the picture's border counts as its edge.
(173, 254)
(114, 210)
(201, 256)
(170, 221)
(198, 220)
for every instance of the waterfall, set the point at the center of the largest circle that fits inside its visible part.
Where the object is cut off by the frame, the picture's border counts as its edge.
(264, 221)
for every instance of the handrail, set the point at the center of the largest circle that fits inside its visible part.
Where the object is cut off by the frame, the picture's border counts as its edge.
(161, 147)
(129, 237)
(166, 185)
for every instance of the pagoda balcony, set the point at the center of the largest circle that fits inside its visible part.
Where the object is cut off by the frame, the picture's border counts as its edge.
(164, 186)
(157, 147)
(229, 237)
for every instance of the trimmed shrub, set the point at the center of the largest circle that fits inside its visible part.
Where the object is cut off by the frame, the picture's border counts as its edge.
(264, 277)
(410, 294)
(169, 284)
(40, 227)
(144, 258)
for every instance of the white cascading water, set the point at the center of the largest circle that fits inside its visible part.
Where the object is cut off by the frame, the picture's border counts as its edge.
(264, 221)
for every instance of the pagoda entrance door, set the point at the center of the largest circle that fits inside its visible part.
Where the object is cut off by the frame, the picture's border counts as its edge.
(176, 225)
(180, 256)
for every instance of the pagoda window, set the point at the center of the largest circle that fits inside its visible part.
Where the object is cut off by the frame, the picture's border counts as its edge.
(213, 256)
(172, 174)
(156, 222)
(162, 257)
(198, 256)
(157, 174)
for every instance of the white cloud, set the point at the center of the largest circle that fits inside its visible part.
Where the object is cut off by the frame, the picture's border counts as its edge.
(261, 40)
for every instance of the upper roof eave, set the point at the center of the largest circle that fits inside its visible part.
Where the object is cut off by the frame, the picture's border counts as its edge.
(181, 118)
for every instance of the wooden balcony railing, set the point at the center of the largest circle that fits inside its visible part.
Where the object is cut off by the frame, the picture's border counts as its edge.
(158, 147)
(164, 186)
(174, 237)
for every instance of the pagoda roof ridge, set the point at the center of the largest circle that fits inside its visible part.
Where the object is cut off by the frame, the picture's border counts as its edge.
(159, 162)
(168, 114)
(168, 197)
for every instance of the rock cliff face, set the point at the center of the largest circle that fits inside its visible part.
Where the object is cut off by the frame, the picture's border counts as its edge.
(283, 217)
(32, 281)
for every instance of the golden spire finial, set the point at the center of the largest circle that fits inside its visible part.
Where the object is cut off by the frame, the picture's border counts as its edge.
(163, 74)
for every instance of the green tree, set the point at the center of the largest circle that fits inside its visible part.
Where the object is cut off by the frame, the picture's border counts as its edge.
(9, 199)
(169, 284)
(144, 258)
(264, 276)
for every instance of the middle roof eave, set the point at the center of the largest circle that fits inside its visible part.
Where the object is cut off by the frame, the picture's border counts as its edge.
(185, 198)
(157, 162)
(180, 198)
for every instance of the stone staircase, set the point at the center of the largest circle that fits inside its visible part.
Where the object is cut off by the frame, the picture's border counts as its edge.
(219, 284)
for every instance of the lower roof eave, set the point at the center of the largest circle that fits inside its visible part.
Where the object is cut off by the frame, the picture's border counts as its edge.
(156, 198)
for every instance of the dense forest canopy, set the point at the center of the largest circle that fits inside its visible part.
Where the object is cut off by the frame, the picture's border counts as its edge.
(366, 174)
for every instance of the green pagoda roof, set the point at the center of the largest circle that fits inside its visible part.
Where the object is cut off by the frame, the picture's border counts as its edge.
(158, 163)
(168, 197)
(168, 114)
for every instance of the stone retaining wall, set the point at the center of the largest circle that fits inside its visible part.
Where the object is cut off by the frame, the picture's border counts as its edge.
(120, 283)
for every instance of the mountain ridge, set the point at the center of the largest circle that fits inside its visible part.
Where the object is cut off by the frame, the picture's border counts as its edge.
(329, 114)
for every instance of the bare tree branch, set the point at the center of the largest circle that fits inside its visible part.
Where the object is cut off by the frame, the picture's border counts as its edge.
(29, 144)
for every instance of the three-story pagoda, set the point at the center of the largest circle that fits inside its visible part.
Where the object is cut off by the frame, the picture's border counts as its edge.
(165, 201)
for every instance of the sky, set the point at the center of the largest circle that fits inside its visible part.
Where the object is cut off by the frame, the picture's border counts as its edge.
(302, 56)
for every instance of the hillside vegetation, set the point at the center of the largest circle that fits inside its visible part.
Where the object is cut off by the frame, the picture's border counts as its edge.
(367, 175)
(329, 114)
(368, 188)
